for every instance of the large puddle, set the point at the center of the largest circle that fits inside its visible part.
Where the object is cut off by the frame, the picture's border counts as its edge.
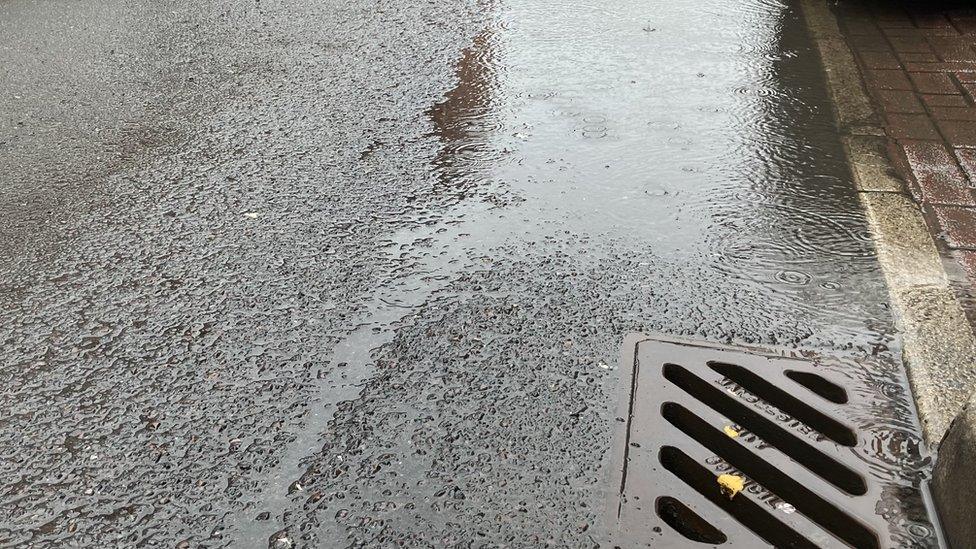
(686, 148)
(699, 134)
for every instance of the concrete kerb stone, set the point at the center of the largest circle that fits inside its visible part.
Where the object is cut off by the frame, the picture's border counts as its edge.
(954, 491)
(939, 348)
(872, 170)
(938, 343)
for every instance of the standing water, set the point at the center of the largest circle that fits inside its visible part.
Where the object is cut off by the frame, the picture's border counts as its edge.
(603, 168)
(357, 273)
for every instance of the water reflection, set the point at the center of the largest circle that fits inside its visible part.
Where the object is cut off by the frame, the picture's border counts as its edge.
(695, 141)
(463, 121)
(697, 133)
(675, 170)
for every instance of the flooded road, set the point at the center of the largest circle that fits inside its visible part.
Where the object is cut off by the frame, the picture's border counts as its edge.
(349, 274)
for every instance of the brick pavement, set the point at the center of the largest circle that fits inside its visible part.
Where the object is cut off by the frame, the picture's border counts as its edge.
(918, 61)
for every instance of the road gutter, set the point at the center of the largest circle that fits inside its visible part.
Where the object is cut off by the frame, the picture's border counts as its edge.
(939, 348)
(938, 342)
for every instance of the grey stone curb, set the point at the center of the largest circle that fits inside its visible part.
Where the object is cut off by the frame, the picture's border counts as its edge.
(954, 479)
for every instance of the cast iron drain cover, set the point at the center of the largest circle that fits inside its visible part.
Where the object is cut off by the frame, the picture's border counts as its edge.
(827, 449)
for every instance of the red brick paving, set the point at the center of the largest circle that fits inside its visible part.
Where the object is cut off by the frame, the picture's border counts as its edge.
(968, 261)
(933, 101)
(959, 133)
(960, 226)
(918, 61)
(939, 179)
(953, 113)
(888, 79)
(970, 88)
(900, 101)
(911, 126)
(933, 82)
(967, 159)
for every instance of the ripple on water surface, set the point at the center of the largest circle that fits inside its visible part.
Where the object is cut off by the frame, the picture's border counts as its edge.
(675, 151)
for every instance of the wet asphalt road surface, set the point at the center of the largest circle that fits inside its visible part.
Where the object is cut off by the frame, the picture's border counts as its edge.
(356, 272)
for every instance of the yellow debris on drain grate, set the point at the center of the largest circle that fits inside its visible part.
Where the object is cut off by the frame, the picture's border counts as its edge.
(730, 485)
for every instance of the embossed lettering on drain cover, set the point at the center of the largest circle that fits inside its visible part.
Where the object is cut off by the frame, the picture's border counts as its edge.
(827, 449)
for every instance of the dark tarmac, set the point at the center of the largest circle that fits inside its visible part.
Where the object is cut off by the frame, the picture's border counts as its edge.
(320, 274)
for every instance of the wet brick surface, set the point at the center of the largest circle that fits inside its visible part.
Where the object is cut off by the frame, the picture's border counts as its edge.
(919, 65)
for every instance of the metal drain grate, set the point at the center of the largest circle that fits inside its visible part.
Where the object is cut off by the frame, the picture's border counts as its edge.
(810, 437)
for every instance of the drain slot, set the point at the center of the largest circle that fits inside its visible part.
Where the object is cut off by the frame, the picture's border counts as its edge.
(786, 402)
(813, 459)
(804, 500)
(746, 511)
(822, 387)
(688, 523)
(808, 435)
